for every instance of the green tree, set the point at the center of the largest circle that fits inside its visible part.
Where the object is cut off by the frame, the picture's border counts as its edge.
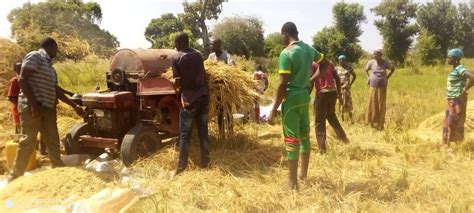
(334, 43)
(159, 29)
(273, 45)
(70, 19)
(464, 29)
(348, 18)
(195, 15)
(193, 42)
(241, 35)
(396, 27)
(427, 50)
(438, 18)
(342, 38)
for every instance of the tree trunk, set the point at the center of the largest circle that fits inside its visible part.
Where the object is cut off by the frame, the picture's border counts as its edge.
(205, 33)
(205, 38)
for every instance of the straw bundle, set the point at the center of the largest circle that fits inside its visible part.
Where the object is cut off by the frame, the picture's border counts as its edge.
(230, 88)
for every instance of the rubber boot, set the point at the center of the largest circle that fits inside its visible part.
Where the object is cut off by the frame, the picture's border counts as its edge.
(304, 166)
(293, 174)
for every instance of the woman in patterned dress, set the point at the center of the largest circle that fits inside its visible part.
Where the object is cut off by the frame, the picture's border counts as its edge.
(345, 72)
(459, 82)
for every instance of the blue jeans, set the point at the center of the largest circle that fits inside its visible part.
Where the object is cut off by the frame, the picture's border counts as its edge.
(196, 111)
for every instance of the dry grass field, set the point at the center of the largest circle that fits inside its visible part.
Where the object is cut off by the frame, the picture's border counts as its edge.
(401, 169)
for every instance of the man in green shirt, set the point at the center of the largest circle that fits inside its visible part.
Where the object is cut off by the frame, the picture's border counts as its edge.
(295, 69)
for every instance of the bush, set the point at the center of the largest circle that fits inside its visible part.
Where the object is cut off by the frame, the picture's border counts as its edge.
(84, 75)
(427, 50)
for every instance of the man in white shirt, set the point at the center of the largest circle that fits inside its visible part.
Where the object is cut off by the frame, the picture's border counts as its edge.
(223, 119)
(218, 54)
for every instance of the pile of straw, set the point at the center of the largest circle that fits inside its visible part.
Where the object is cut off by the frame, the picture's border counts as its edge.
(9, 53)
(230, 88)
(431, 128)
(52, 186)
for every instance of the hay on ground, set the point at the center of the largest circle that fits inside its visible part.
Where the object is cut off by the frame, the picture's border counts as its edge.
(52, 186)
(431, 128)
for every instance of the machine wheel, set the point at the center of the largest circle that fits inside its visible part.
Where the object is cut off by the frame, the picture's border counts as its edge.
(118, 77)
(71, 142)
(140, 141)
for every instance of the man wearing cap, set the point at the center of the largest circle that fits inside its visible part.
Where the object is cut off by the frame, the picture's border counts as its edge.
(295, 69)
(37, 106)
(459, 82)
(345, 72)
(378, 81)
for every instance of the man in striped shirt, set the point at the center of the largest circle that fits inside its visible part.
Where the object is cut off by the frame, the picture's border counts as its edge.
(37, 106)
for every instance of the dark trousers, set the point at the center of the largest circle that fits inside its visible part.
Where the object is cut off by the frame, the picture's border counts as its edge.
(196, 111)
(46, 124)
(325, 109)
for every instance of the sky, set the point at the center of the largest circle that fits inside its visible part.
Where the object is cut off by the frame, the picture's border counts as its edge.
(127, 19)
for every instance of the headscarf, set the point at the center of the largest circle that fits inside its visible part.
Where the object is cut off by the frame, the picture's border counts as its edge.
(342, 57)
(455, 53)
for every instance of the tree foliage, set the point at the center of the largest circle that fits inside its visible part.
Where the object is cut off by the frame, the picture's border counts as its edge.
(72, 20)
(241, 35)
(464, 29)
(193, 42)
(159, 29)
(438, 19)
(448, 26)
(334, 43)
(342, 38)
(195, 16)
(273, 44)
(162, 31)
(348, 18)
(427, 50)
(396, 27)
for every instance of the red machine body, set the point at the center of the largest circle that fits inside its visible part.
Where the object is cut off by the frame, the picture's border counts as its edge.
(139, 108)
